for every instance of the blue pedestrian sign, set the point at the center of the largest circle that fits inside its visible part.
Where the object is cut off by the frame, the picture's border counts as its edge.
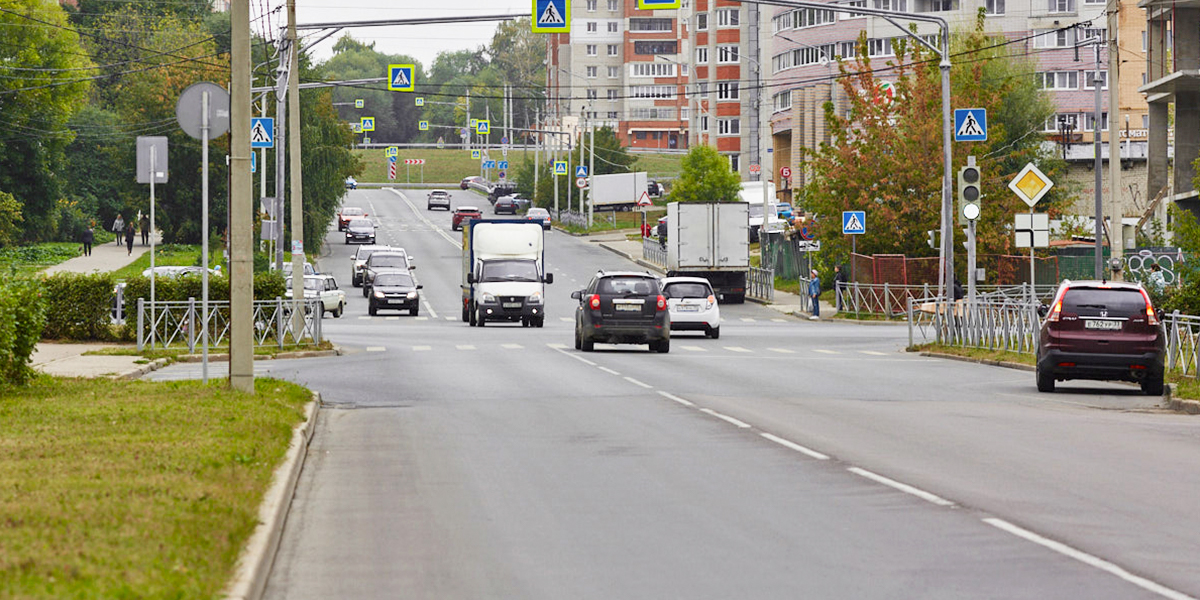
(475, 154)
(551, 16)
(366, 124)
(581, 171)
(489, 164)
(400, 78)
(262, 132)
(483, 126)
(560, 167)
(423, 125)
(502, 165)
(970, 124)
(854, 222)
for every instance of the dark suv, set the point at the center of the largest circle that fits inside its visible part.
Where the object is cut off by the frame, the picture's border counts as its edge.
(622, 308)
(1101, 330)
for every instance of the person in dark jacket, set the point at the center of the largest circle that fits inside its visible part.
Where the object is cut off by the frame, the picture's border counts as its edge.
(87, 238)
(814, 292)
(839, 284)
(958, 290)
(144, 225)
(130, 233)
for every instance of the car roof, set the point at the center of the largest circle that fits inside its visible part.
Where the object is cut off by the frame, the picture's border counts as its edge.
(396, 251)
(346, 208)
(539, 210)
(436, 191)
(466, 209)
(1100, 284)
(625, 274)
(668, 280)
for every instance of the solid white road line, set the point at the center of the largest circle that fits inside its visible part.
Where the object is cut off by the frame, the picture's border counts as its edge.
(376, 349)
(782, 350)
(824, 351)
(557, 346)
(422, 348)
(421, 216)
(420, 318)
(725, 418)
(429, 309)
(636, 382)
(1088, 559)
(794, 446)
(903, 487)
(670, 396)
(609, 371)
(873, 353)
(391, 318)
(736, 349)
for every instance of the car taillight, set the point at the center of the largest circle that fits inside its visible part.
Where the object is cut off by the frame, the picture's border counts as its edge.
(1055, 312)
(711, 301)
(1151, 318)
(594, 302)
(662, 303)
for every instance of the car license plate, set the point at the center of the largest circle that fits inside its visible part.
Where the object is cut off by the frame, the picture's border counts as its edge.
(1097, 324)
(628, 307)
(687, 308)
(511, 305)
(395, 301)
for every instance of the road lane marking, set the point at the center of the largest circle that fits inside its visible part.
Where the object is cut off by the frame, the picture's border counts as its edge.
(364, 318)
(566, 319)
(609, 371)
(782, 350)
(747, 319)
(1087, 559)
(422, 348)
(636, 382)
(511, 346)
(903, 487)
(391, 318)
(420, 318)
(726, 418)
(824, 351)
(694, 349)
(873, 352)
(465, 347)
(736, 349)
(558, 346)
(794, 446)
(421, 216)
(675, 398)
(779, 320)
(376, 349)
(429, 309)
(450, 318)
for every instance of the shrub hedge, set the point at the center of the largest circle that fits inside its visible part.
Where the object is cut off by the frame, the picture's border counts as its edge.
(23, 301)
(79, 306)
(171, 289)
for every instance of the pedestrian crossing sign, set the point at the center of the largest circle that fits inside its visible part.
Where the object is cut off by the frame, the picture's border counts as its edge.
(970, 124)
(391, 151)
(551, 16)
(475, 154)
(358, 103)
(262, 131)
(366, 124)
(581, 171)
(483, 126)
(420, 101)
(854, 222)
(400, 78)
(560, 167)
(423, 125)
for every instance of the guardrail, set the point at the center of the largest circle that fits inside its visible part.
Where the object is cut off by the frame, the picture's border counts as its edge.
(654, 252)
(1009, 325)
(760, 284)
(1183, 343)
(173, 324)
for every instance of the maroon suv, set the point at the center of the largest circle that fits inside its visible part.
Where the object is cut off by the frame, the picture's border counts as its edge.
(1101, 330)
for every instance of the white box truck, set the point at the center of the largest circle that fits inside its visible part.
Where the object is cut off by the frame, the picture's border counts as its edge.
(619, 191)
(504, 272)
(752, 193)
(709, 240)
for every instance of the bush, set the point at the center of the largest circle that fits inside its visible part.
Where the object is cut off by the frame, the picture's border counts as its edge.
(178, 289)
(19, 333)
(79, 306)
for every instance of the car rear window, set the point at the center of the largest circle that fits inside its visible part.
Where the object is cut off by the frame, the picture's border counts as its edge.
(627, 285)
(686, 290)
(346, 212)
(360, 223)
(1093, 302)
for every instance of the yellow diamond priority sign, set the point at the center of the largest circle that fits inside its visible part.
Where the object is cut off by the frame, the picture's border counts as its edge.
(1030, 185)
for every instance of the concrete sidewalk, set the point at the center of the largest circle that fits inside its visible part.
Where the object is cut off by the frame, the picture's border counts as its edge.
(104, 258)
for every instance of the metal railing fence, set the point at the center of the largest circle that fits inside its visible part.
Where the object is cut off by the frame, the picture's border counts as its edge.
(760, 284)
(176, 324)
(654, 252)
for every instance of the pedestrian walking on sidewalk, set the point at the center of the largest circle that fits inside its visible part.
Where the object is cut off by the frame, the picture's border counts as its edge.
(144, 224)
(839, 285)
(814, 292)
(87, 238)
(130, 233)
(119, 228)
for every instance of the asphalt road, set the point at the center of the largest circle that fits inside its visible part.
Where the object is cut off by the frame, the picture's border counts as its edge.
(786, 459)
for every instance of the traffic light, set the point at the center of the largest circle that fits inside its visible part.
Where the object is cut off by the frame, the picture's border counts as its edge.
(968, 191)
(932, 233)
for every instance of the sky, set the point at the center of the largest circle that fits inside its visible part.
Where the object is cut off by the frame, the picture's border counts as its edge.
(422, 42)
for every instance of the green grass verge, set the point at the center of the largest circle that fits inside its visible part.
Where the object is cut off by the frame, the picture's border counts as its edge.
(169, 255)
(174, 353)
(115, 489)
(612, 221)
(25, 260)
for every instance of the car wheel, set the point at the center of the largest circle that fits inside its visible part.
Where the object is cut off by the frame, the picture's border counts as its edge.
(371, 309)
(578, 342)
(479, 321)
(715, 332)
(1045, 381)
(465, 317)
(1153, 386)
(413, 311)
(337, 313)
(587, 345)
(471, 315)
(540, 322)
(663, 346)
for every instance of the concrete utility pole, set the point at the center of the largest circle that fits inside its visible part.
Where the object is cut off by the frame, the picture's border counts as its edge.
(241, 205)
(280, 154)
(1115, 210)
(297, 187)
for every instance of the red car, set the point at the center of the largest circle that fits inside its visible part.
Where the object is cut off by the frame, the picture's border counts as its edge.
(347, 214)
(463, 214)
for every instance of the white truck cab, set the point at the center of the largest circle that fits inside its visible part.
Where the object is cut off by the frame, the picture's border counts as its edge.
(504, 272)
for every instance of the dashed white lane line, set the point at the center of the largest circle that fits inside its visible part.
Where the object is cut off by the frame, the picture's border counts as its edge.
(782, 350)
(1088, 559)
(873, 352)
(465, 347)
(747, 319)
(795, 446)
(779, 320)
(636, 382)
(726, 418)
(670, 396)
(391, 318)
(737, 349)
(450, 318)
(566, 319)
(376, 349)
(422, 348)
(557, 346)
(903, 487)
(609, 371)
(824, 351)
(420, 318)
(511, 346)
(364, 318)
(693, 348)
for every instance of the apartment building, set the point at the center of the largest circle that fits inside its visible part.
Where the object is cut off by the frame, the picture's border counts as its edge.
(1172, 42)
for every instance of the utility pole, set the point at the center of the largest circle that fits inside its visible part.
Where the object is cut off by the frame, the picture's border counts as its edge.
(297, 186)
(241, 205)
(1114, 140)
(280, 154)
(591, 173)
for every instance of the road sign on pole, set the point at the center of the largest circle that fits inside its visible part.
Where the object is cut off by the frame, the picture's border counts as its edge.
(423, 125)
(502, 164)
(358, 103)
(262, 132)
(560, 167)
(475, 154)
(391, 169)
(420, 101)
(551, 16)
(970, 125)
(366, 124)
(400, 78)
(581, 182)
(581, 171)
(785, 171)
(854, 222)
(754, 169)
(1030, 184)
(483, 126)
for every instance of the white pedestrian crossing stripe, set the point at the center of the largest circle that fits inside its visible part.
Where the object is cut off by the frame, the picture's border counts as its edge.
(748, 319)
(782, 350)
(824, 351)
(736, 349)
(779, 320)
(465, 347)
(421, 319)
(422, 348)
(376, 349)
(391, 318)
(557, 346)
(566, 319)
(693, 348)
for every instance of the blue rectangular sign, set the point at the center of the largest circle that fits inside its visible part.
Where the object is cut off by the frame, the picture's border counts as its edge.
(551, 16)
(262, 132)
(854, 222)
(970, 124)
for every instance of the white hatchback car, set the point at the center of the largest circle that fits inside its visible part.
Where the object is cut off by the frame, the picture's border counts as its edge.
(693, 305)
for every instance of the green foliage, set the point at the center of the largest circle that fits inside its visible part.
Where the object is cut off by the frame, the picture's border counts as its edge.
(396, 115)
(705, 177)
(267, 286)
(25, 315)
(10, 219)
(326, 162)
(79, 306)
(39, 254)
(611, 157)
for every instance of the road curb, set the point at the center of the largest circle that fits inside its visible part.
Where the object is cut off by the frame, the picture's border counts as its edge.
(153, 365)
(258, 555)
(980, 361)
(195, 358)
(1191, 407)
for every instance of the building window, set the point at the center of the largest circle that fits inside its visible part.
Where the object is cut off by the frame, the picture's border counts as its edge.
(782, 22)
(654, 113)
(811, 17)
(727, 54)
(612, 95)
(591, 5)
(1145, 121)
(782, 101)
(1093, 1)
(703, 122)
(612, 49)
(735, 163)
(729, 127)
(650, 25)
(1053, 38)
(879, 47)
(655, 47)
(854, 3)
(1061, 6)
(701, 88)
(1145, 44)
(941, 5)
(612, 27)
(727, 90)
(591, 27)
(1058, 80)
(591, 94)
(640, 135)
(657, 92)
(1089, 80)
(591, 72)
(591, 49)
(1089, 121)
(1068, 120)
(613, 5)
(701, 21)
(652, 69)
(896, 5)
(614, 72)
(728, 17)
(994, 7)
(612, 114)
(702, 55)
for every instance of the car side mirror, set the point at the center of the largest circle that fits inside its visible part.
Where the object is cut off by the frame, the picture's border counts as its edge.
(420, 287)
(577, 294)
(412, 267)
(470, 278)
(549, 277)
(1043, 310)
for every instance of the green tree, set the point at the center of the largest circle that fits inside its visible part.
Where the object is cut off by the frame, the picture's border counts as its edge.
(881, 157)
(10, 220)
(396, 113)
(705, 176)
